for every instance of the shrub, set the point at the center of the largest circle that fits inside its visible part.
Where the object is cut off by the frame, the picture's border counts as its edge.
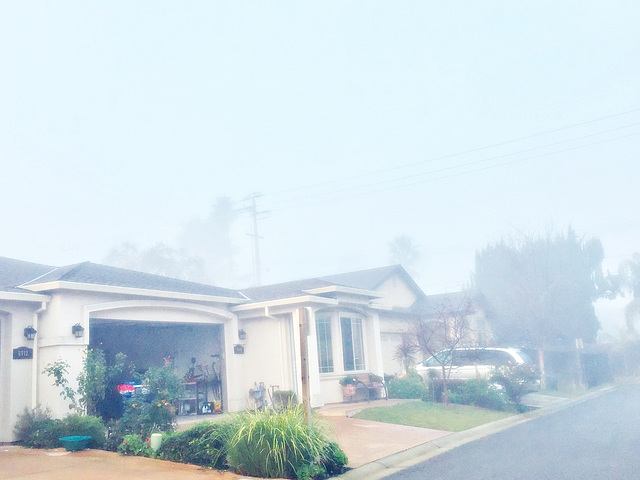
(36, 429)
(204, 444)
(134, 444)
(516, 380)
(480, 393)
(280, 444)
(115, 435)
(86, 425)
(153, 410)
(436, 389)
(334, 459)
(411, 386)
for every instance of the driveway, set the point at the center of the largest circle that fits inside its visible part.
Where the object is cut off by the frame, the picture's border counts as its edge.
(17, 463)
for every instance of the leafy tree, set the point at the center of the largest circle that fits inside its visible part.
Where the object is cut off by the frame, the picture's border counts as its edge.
(539, 291)
(161, 259)
(204, 252)
(443, 332)
(59, 370)
(629, 274)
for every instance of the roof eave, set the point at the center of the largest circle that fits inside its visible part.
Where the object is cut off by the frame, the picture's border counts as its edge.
(308, 299)
(140, 292)
(341, 289)
(24, 297)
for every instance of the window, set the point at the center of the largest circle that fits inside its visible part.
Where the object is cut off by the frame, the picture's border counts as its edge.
(325, 352)
(352, 344)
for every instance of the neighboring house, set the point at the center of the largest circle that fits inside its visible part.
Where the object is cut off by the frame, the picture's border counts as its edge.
(350, 322)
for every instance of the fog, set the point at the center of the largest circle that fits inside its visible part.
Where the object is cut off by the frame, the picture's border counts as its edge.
(350, 125)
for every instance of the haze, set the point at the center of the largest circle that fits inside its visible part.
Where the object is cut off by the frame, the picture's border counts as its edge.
(452, 123)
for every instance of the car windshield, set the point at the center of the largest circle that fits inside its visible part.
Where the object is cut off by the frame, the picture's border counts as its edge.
(525, 357)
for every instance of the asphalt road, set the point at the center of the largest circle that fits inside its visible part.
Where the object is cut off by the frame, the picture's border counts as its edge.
(596, 439)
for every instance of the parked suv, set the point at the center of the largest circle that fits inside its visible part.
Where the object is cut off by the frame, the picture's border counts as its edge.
(467, 363)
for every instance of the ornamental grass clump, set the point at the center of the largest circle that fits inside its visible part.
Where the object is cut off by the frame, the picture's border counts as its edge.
(282, 445)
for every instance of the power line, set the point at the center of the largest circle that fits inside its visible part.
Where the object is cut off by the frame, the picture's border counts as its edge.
(325, 196)
(451, 155)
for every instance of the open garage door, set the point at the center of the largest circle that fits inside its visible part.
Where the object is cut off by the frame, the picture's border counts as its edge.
(193, 350)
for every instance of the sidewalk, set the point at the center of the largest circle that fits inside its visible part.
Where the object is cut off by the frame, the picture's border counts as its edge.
(365, 441)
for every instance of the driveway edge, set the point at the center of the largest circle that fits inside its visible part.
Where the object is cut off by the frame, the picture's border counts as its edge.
(399, 461)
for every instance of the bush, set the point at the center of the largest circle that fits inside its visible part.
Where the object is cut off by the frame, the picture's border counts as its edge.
(436, 389)
(36, 429)
(479, 393)
(153, 410)
(334, 459)
(86, 425)
(280, 444)
(411, 386)
(516, 380)
(204, 444)
(134, 444)
(115, 435)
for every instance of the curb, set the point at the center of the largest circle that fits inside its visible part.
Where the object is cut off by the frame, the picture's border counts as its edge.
(399, 461)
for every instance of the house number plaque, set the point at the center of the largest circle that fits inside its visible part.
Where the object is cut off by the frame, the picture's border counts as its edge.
(22, 353)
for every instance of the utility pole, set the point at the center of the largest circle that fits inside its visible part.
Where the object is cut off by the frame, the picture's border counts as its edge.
(252, 209)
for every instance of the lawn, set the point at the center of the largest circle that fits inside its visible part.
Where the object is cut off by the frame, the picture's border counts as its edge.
(453, 418)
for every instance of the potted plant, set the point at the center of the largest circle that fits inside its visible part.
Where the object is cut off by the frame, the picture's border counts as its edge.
(348, 387)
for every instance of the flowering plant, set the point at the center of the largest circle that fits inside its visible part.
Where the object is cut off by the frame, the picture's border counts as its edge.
(135, 445)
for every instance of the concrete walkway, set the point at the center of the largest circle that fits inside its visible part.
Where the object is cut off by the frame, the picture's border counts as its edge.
(365, 441)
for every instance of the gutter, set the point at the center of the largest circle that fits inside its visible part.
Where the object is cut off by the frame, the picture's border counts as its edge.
(34, 360)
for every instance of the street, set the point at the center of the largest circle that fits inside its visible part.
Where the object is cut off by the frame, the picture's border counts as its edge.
(596, 439)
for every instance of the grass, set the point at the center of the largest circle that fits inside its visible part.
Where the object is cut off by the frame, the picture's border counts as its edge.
(453, 418)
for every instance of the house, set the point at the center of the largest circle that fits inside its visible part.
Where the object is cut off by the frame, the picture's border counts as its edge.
(349, 321)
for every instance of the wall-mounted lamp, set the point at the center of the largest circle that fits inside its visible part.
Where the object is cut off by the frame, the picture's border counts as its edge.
(242, 335)
(30, 332)
(77, 330)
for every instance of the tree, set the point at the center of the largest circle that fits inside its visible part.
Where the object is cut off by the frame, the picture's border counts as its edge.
(204, 252)
(539, 291)
(210, 240)
(444, 331)
(161, 259)
(403, 251)
(629, 275)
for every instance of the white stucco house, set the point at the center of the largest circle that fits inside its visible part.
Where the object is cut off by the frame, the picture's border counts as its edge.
(352, 323)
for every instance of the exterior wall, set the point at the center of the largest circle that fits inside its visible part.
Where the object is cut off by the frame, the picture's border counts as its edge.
(15, 375)
(396, 292)
(56, 341)
(268, 356)
(391, 330)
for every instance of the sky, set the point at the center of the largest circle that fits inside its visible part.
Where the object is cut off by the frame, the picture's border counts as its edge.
(454, 123)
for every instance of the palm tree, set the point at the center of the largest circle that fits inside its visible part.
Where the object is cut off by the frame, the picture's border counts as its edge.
(403, 251)
(629, 271)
